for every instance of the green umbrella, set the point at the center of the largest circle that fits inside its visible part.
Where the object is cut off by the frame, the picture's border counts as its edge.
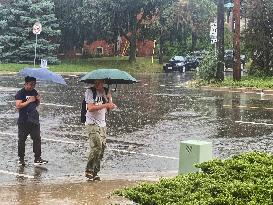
(109, 75)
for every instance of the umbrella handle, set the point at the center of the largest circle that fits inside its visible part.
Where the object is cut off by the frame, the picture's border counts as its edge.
(116, 88)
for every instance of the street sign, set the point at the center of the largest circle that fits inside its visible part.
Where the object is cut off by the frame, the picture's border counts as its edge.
(37, 28)
(213, 32)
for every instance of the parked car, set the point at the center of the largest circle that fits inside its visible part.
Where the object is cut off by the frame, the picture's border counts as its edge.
(192, 63)
(228, 59)
(181, 64)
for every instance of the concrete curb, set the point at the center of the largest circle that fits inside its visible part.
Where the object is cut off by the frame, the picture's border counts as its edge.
(241, 90)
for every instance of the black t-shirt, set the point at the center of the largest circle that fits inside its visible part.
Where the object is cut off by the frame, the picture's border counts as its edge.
(28, 113)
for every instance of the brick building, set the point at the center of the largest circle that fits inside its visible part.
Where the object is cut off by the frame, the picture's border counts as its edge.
(101, 47)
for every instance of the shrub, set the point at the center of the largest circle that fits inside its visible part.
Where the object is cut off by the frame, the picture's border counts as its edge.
(244, 179)
(207, 69)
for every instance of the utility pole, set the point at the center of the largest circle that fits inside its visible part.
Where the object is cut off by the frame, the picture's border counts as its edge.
(236, 42)
(220, 40)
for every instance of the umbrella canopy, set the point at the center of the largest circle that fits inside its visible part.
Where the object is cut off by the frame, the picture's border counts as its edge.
(109, 75)
(42, 74)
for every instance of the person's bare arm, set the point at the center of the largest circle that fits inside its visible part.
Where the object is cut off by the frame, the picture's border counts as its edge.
(20, 104)
(92, 107)
(38, 99)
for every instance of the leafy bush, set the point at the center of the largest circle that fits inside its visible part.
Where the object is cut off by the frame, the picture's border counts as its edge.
(207, 69)
(249, 81)
(244, 179)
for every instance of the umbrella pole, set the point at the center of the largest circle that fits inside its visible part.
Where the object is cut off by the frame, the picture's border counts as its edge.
(35, 51)
(116, 88)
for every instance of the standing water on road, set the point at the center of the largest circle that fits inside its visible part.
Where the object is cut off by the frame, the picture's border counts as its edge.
(144, 132)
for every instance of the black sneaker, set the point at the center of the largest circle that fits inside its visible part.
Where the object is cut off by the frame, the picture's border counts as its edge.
(89, 175)
(92, 176)
(21, 162)
(40, 161)
(96, 178)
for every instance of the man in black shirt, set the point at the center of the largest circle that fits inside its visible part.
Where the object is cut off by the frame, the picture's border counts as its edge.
(27, 99)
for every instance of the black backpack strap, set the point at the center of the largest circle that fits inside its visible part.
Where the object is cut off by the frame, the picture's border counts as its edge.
(94, 91)
(106, 90)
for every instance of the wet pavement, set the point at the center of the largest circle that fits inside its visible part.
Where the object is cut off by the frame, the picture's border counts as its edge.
(145, 130)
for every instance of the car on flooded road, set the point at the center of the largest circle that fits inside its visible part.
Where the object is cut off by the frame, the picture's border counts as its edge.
(228, 59)
(180, 64)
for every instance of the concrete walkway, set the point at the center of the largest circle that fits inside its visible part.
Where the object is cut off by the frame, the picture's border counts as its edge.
(75, 190)
(93, 193)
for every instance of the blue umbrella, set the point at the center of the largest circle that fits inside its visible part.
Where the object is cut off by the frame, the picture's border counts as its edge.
(42, 74)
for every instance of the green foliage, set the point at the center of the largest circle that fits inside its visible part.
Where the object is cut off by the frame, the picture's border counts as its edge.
(228, 38)
(249, 81)
(74, 28)
(124, 17)
(176, 48)
(244, 179)
(207, 69)
(16, 38)
(259, 14)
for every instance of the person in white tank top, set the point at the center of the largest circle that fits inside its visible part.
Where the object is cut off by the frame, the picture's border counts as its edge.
(96, 126)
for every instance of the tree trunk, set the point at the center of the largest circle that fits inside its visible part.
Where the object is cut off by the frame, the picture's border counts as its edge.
(236, 42)
(220, 40)
(161, 42)
(133, 47)
(193, 40)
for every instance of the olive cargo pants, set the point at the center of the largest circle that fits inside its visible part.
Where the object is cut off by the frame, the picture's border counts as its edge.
(97, 142)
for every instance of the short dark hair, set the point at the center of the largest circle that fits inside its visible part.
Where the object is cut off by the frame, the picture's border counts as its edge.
(29, 79)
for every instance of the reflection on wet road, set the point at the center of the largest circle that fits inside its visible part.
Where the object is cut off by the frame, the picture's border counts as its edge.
(152, 117)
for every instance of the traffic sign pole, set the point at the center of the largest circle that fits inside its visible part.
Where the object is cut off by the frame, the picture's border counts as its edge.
(35, 50)
(37, 29)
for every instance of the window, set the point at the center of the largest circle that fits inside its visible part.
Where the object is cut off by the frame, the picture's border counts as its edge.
(99, 50)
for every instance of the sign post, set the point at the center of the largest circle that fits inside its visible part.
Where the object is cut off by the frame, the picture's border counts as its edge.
(153, 52)
(37, 28)
(213, 34)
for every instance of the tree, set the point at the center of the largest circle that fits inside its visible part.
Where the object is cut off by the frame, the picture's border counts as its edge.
(18, 41)
(202, 13)
(14, 32)
(124, 17)
(236, 41)
(72, 25)
(3, 27)
(161, 27)
(260, 23)
(192, 20)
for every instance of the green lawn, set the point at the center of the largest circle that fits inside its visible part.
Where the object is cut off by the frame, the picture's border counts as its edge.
(246, 81)
(142, 65)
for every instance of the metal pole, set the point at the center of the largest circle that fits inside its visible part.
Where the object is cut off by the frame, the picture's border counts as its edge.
(35, 51)
(236, 42)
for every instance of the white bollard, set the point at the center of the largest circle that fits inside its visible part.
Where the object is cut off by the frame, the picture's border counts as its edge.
(193, 152)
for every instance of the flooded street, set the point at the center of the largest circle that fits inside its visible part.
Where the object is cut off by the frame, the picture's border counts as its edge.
(144, 132)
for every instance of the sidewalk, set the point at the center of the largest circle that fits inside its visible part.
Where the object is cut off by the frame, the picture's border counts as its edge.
(76, 190)
(93, 193)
